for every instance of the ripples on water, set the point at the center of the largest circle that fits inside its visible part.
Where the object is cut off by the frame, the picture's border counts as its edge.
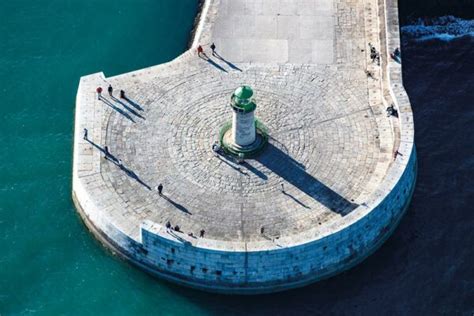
(444, 28)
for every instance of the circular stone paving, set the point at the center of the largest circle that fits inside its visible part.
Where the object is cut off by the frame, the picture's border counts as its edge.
(317, 167)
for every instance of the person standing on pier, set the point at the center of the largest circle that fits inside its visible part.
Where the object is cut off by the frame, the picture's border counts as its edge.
(99, 92)
(213, 48)
(200, 50)
(85, 133)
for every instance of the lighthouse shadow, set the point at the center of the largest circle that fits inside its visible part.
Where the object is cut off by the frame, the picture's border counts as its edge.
(295, 174)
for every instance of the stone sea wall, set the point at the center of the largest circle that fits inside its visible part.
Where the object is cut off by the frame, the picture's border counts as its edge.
(259, 271)
(262, 271)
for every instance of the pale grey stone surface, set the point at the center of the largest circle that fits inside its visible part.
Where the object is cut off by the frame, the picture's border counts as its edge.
(276, 31)
(332, 146)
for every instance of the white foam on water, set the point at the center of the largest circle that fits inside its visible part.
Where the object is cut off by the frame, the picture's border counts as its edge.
(445, 28)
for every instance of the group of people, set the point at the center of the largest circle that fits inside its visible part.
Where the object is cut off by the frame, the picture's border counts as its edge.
(200, 50)
(99, 90)
(159, 188)
(177, 228)
(374, 55)
(110, 90)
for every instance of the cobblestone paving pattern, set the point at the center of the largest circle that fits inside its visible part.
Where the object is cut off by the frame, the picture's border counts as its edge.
(330, 140)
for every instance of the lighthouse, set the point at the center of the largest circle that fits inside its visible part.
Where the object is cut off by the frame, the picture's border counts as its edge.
(243, 117)
(245, 136)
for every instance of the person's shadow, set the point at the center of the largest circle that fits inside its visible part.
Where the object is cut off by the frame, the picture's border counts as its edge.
(175, 204)
(231, 65)
(113, 106)
(108, 156)
(133, 103)
(127, 171)
(295, 199)
(128, 108)
(204, 56)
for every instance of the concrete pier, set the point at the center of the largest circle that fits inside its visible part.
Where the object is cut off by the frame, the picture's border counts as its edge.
(330, 187)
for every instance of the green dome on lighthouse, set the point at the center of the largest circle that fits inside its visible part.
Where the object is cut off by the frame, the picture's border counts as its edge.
(243, 92)
(241, 99)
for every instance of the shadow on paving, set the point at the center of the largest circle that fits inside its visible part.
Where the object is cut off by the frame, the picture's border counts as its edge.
(230, 162)
(177, 205)
(118, 163)
(133, 103)
(295, 199)
(231, 65)
(294, 173)
(128, 171)
(129, 108)
(113, 106)
(204, 57)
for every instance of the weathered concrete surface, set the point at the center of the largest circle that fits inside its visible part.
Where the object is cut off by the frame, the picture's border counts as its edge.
(327, 191)
(270, 31)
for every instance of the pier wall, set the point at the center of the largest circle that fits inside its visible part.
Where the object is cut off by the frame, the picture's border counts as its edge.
(260, 271)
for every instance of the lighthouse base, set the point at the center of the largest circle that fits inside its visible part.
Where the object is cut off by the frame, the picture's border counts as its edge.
(248, 151)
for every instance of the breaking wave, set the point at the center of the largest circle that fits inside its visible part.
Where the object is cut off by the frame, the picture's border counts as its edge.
(445, 28)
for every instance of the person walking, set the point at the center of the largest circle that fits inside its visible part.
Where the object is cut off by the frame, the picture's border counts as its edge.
(200, 50)
(106, 149)
(110, 89)
(213, 48)
(99, 92)
(122, 94)
(160, 189)
(85, 134)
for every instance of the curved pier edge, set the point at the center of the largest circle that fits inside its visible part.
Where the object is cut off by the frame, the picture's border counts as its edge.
(115, 249)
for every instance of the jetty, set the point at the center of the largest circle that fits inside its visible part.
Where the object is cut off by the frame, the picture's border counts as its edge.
(285, 155)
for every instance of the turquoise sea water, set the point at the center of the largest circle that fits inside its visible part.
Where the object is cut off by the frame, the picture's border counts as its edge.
(51, 265)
